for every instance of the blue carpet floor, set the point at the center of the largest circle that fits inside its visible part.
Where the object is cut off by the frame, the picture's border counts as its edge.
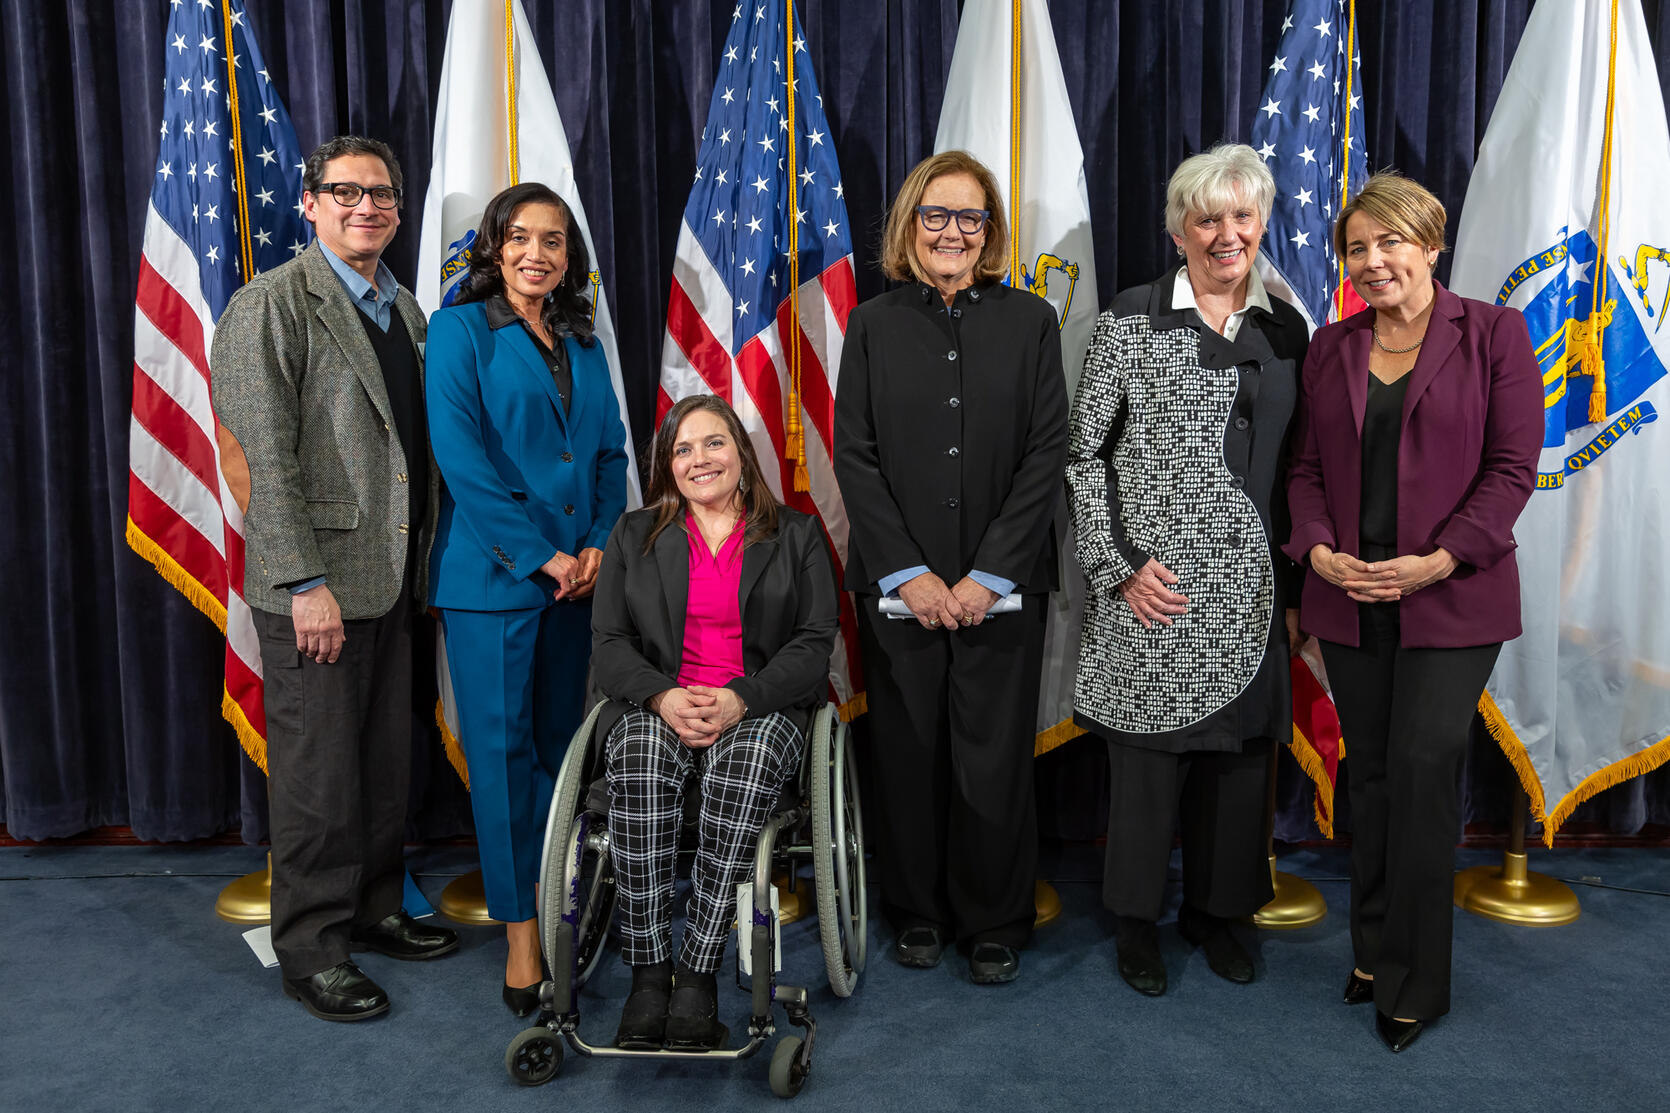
(121, 991)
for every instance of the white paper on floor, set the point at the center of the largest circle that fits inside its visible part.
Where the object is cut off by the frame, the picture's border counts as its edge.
(260, 941)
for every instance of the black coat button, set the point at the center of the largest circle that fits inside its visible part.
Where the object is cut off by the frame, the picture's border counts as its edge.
(974, 295)
(951, 355)
(569, 509)
(957, 314)
(568, 457)
(953, 503)
(953, 402)
(1237, 481)
(1242, 423)
(1234, 540)
(953, 451)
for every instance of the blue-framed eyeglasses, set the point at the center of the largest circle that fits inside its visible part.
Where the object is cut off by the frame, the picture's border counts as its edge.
(935, 217)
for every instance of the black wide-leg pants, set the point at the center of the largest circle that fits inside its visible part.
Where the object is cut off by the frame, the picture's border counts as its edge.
(1404, 715)
(339, 748)
(1215, 801)
(952, 721)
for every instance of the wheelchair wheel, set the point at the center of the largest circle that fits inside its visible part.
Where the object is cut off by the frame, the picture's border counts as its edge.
(787, 1075)
(597, 894)
(838, 854)
(567, 802)
(534, 1056)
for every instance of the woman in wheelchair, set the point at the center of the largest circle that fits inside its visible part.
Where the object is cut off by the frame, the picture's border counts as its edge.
(714, 619)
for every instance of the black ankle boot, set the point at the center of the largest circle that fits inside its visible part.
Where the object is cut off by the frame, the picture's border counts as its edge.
(693, 1015)
(1138, 948)
(643, 1022)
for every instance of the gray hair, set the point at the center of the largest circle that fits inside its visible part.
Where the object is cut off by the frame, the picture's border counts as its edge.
(1210, 181)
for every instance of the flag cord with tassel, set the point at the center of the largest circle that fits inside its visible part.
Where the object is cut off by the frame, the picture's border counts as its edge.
(241, 189)
(1591, 347)
(515, 166)
(1014, 144)
(794, 441)
(1345, 148)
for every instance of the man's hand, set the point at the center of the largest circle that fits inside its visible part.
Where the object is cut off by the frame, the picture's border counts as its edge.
(318, 621)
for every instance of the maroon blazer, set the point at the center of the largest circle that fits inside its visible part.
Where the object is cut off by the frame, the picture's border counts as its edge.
(1467, 463)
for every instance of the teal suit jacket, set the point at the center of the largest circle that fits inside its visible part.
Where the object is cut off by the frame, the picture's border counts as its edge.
(523, 479)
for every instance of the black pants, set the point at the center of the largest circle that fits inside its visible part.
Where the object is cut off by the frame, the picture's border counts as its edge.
(339, 745)
(952, 721)
(1404, 715)
(1217, 801)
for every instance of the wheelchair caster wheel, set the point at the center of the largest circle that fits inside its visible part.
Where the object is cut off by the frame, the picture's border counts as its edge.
(787, 1073)
(534, 1056)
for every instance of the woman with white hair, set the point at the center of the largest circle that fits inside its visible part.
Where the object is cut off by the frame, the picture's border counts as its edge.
(1175, 477)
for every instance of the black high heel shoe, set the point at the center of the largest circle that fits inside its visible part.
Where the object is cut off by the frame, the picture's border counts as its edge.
(1358, 991)
(1398, 1034)
(522, 1001)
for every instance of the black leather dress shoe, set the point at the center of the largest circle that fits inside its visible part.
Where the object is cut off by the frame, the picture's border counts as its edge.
(339, 993)
(919, 947)
(522, 1001)
(1398, 1034)
(1358, 991)
(993, 964)
(399, 936)
(1140, 963)
(693, 1013)
(643, 1021)
(1224, 953)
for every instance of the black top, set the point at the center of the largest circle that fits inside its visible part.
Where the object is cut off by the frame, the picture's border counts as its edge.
(500, 314)
(398, 360)
(1382, 428)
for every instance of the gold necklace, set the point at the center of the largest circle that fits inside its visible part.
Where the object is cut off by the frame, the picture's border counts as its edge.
(1381, 344)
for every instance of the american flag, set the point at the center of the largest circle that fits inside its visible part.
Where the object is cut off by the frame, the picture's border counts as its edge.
(199, 248)
(1309, 128)
(766, 208)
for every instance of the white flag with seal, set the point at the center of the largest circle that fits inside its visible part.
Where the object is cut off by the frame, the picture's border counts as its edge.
(1006, 104)
(1565, 220)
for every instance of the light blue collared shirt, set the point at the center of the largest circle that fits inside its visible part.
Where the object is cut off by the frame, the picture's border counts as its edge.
(376, 302)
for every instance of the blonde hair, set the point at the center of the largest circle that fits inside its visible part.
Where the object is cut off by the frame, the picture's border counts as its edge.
(898, 244)
(1210, 181)
(1406, 207)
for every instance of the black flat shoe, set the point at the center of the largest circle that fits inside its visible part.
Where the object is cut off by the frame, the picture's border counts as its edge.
(643, 1020)
(398, 935)
(1224, 953)
(919, 947)
(1358, 991)
(993, 964)
(1140, 964)
(693, 1013)
(521, 1001)
(1398, 1034)
(339, 993)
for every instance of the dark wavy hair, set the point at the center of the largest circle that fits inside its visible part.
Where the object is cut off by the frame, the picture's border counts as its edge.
(567, 309)
(759, 505)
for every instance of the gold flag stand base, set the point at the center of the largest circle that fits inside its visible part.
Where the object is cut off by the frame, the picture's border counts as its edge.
(1297, 902)
(1047, 901)
(249, 899)
(464, 902)
(791, 904)
(1511, 893)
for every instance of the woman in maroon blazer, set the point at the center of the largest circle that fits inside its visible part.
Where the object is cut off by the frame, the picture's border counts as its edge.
(1420, 423)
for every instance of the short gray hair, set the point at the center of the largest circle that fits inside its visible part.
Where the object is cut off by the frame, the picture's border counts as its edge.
(1209, 182)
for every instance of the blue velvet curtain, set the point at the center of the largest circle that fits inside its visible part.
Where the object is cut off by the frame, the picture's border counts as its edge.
(110, 681)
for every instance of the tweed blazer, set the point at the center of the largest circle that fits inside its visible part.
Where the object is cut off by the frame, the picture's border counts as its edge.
(789, 617)
(1175, 450)
(296, 381)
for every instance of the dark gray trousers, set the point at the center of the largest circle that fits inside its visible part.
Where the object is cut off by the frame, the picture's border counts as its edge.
(339, 744)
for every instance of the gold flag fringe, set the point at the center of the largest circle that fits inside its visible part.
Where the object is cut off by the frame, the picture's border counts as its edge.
(454, 748)
(1046, 740)
(248, 737)
(1617, 773)
(854, 707)
(1311, 762)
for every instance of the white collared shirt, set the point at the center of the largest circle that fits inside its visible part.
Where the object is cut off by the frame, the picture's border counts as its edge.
(1183, 297)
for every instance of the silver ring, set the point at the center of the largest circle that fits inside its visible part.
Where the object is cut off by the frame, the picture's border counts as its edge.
(933, 622)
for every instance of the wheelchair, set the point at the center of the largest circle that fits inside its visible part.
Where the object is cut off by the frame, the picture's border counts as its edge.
(817, 817)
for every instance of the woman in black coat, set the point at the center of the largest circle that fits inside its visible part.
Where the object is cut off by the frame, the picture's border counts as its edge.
(711, 633)
(950, 431)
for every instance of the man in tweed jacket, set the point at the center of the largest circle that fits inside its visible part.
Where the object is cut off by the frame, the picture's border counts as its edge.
(317, 371)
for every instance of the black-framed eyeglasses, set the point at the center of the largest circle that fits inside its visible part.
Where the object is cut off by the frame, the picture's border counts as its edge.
(935, 217)
(348, 194)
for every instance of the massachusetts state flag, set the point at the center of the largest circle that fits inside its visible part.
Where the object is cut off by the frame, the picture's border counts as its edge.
(225, 205)
(762, 278)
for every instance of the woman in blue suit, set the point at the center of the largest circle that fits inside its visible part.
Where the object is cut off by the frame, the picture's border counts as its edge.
(527, 432)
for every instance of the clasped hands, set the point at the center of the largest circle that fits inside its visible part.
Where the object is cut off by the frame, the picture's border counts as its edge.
(697, 713)
(1380, 581)
(575, 576)
(936, 606)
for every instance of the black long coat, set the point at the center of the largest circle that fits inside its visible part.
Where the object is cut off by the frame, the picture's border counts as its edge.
(950, 436)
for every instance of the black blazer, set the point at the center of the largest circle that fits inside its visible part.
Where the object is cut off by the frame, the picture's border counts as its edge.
(950, 436)
(789, 619)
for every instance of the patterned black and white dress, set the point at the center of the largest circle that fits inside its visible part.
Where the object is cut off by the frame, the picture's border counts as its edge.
(1177, 449)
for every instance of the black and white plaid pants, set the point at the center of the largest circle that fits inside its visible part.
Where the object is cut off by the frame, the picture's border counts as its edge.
(741, 777)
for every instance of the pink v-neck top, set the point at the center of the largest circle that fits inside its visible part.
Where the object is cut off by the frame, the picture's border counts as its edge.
(713, 615)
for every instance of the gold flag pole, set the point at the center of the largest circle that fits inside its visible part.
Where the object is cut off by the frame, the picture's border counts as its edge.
(1297, 902)
(1511, 893)
(249, 899)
